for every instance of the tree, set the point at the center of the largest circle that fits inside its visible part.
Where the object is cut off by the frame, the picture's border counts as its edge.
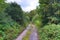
(47, 10)
(9, 14)
(32, 14)
(15, 11)
(2, 5)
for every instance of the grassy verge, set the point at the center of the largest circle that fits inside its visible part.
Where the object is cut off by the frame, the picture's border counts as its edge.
(27, 35)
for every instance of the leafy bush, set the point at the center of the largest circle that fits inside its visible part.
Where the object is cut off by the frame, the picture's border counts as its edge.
(8, 32)
(50, 32)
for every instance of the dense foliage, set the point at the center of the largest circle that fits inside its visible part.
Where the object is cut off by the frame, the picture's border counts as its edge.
(12, 20)
(46, 17)
(50, 32)
(49, 19)
(15, 12)
(49, 11)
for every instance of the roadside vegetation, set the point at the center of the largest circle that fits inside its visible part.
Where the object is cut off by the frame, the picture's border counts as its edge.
(48, 19)
(13, 20)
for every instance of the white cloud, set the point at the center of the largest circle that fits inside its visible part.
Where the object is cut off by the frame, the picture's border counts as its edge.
(31, 4)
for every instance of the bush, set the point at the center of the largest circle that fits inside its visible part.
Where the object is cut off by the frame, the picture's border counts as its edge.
(50, 32)
(10, 32)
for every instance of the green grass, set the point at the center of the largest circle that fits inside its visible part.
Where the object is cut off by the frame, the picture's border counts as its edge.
(27, 35)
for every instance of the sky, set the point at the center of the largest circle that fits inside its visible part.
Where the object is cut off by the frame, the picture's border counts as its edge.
(27, 5)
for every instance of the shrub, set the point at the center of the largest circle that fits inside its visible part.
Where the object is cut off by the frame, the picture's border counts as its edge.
(50, 32)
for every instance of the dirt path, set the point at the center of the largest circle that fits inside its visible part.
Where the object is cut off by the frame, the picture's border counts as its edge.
(33, 36)
(23, 33)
